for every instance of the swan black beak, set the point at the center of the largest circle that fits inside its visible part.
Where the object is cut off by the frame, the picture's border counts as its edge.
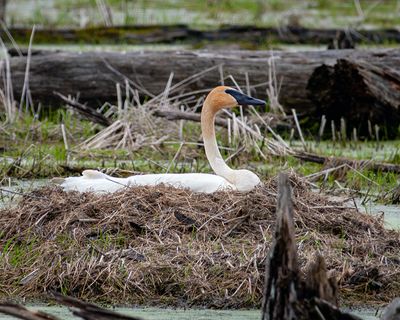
(243, 99)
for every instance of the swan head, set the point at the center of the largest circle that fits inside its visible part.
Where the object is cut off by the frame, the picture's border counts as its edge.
(227, 97)
(244, 180)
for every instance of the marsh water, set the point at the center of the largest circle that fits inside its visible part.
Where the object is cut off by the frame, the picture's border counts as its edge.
(391, 213)
(181, 314)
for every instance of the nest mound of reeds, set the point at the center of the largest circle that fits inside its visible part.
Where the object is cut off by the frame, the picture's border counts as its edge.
(160, 245)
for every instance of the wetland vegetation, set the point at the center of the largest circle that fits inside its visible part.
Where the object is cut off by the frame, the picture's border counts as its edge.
(160, 246)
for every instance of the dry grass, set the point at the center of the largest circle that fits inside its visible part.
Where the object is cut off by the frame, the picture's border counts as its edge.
(135, 125)
(169, 246)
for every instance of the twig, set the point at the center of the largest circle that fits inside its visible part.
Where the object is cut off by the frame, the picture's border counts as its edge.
(21, 194)
(85, 111)
(64, 135)
(175, 157)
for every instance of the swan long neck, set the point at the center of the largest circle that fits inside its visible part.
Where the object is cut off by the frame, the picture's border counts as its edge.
(214, 157)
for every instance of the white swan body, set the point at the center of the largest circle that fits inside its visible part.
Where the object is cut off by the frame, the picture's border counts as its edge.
(225, 178)
(92, 180)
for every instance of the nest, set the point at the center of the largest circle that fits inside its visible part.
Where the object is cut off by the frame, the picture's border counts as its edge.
(160, 245)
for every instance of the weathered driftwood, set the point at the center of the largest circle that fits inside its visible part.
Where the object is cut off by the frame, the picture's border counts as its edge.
(94, 75)
(183, 33)
(286, 295)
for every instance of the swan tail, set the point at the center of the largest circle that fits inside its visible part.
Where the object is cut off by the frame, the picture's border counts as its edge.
(57, 180)
(95, 181)
(93, 174)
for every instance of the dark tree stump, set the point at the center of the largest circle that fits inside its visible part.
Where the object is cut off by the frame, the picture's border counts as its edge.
(286, 294)
(359, 91)
(282, 281)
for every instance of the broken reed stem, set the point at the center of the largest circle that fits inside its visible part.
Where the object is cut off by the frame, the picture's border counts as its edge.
(370, 129)
(175, 157)
(299, 129)
(25, 95)
(321, 127)
(343, 130)
(181, 125)
(64, 135)
(333, 130)
(105, 11)
(7, 96)
(355, 137)
(376, 127)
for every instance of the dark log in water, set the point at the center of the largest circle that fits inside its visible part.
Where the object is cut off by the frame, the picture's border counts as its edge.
(311, 82)
(185, 34)
(286, 295)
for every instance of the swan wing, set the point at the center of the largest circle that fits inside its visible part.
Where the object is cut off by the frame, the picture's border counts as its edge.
(95, 181)
(196, 182)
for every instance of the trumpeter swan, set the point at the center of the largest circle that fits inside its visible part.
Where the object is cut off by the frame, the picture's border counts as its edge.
(225, 178)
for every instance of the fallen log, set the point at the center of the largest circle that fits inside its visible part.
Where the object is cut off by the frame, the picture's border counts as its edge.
(300, 76)
(286, 295)
(142, 34)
